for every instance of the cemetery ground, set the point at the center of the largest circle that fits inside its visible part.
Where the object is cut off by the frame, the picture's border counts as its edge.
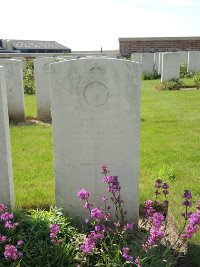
(169, 150)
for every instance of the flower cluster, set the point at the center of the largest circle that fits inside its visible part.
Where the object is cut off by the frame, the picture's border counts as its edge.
(54, 231)
(10, 251)
(7, 218)
(159, 185)
(103, 227)
(194, 218)
(125, 254)
(156, 231)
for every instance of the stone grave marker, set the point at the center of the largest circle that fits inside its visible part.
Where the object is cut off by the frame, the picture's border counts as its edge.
(96, 120)
(14, 87)
(183, 57)
(42, 87)
(170, 66)
(194, 61)
(147, 60)
(6, 178)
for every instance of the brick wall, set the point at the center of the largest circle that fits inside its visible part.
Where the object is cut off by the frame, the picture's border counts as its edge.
(127, 46)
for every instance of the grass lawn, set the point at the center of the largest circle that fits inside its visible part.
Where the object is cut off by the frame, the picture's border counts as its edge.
(170, 149)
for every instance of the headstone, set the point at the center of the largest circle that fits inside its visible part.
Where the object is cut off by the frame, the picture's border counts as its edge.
(183, 57)
(147, 63)
(170, 66)
(194, 61)
(6, 179)
(160, 63)
(42, 87)
(156, 61)
(147, 60)
(14, 87)
(137, 57)
(96, 120)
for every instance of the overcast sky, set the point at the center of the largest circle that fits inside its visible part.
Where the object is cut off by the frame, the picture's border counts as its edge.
(92, 24)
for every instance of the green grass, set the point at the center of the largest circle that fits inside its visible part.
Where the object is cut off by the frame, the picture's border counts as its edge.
(30, 106)
(170, 149)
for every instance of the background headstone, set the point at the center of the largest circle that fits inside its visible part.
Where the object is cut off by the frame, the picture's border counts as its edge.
(14, 87)
(42, 87)
(96, 120)
(183, 57)
(6, 178)
(194, 61)
(147, 60)
(170, 67)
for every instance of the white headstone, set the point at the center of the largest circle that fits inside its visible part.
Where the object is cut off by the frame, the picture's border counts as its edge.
(147, 63)
(96, 120)
(183, 57)
(6, 178)
(147, 60)
(137, 57)
(170, 66)
(156, 61)
(42, 87)
(14, 87)
(194, 61)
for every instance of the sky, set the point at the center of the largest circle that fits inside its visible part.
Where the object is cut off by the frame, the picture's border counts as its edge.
(85, 25)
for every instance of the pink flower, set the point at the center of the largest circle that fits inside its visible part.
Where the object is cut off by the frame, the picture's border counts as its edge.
(11, 252)
(6, 216)
(138, 262)
(96, 213)
(104, 169)
(158, 219)
(125, 254)
(83, 194)
(88, 246)
(117, 225)
(187, 194)
(3, 208)
(3, 238)
(87, 205)
(10, 225)
(20, 242)
(129, 226)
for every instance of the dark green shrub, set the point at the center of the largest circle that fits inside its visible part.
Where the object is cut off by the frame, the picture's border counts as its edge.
(29, 84)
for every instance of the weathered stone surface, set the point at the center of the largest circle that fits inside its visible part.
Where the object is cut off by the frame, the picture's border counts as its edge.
(96, 120)
(14, 87)
(6, 178)
(170, 66)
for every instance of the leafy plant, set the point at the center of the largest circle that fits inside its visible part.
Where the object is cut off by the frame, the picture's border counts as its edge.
(184, 73)
(153, 76)
(170, 85)
(196, 80)
(39, 247)
(29, 84)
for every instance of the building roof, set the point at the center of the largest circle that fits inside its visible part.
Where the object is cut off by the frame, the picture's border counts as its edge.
(33, 44)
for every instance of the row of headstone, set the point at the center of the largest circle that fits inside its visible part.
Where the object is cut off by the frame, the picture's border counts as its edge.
(95, 105)
(168, 64)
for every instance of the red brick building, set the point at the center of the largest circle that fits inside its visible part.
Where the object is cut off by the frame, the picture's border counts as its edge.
(127, 46)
